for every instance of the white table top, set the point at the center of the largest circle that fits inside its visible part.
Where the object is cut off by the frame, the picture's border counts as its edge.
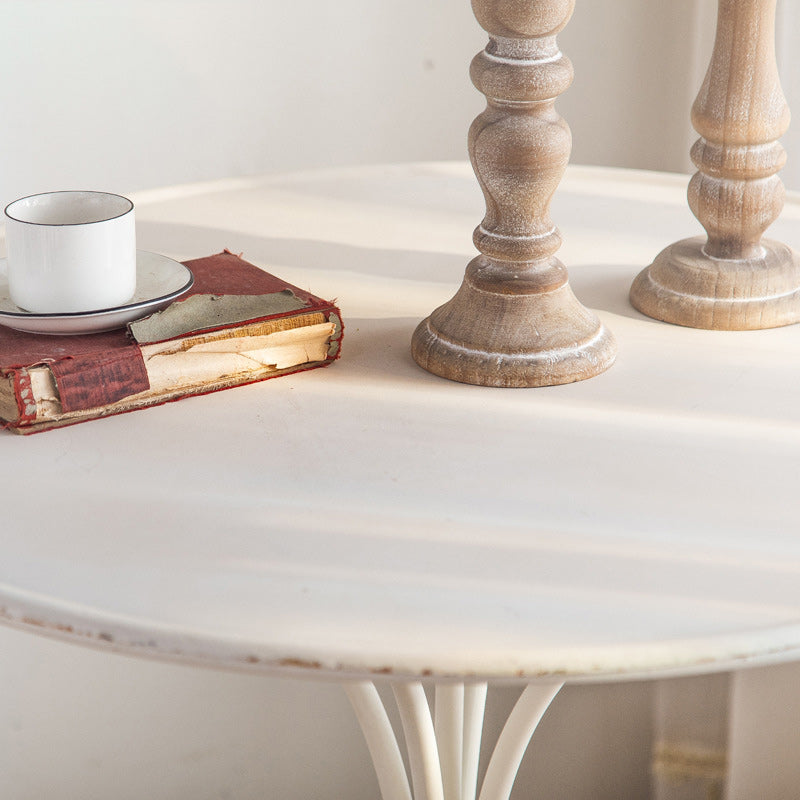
(371, 518)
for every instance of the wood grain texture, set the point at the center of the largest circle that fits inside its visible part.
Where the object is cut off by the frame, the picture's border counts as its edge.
(515, 321)
(734, 279)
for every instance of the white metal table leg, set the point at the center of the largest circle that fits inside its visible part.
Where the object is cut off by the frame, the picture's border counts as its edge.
(423, 755)
(449, 727)
(443, 749)
(474, 708)
(381, 741)
(513, 741)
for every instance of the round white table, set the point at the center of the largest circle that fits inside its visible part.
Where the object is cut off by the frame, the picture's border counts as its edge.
(371, 521)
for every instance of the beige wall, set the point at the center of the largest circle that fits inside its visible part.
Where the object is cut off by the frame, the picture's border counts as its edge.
(131, 94)
(638, 66)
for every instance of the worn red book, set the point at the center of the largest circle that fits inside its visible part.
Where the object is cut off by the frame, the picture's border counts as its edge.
(237, 324)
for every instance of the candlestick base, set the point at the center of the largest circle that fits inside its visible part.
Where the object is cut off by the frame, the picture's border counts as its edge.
(686, 287)
(505, 335)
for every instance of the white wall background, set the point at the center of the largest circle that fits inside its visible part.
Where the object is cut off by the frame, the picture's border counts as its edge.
(130, 94)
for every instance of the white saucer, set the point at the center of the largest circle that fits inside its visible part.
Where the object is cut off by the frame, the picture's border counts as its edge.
(159, 281)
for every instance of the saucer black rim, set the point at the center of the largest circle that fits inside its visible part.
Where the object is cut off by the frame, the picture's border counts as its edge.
(123, 309)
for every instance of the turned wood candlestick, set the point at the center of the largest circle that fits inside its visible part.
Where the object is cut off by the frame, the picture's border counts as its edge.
(734, 279)
(515, 320)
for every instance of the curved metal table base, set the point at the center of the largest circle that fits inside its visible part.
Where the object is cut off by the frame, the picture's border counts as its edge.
(444, 747)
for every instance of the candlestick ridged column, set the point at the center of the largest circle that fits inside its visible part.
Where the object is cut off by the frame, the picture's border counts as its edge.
(734, 279)
(515, 320)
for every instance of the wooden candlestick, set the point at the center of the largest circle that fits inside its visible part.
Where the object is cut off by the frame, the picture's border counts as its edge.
(515, 320)
(734, 280)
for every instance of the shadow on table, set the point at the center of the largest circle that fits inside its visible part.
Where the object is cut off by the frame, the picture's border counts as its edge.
(303, 253)
(603, 287)
(382, 348)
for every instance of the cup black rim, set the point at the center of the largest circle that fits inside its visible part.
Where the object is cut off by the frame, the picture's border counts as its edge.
(68, 224)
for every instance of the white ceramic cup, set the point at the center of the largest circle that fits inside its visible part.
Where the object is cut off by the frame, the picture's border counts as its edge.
(71, 251)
